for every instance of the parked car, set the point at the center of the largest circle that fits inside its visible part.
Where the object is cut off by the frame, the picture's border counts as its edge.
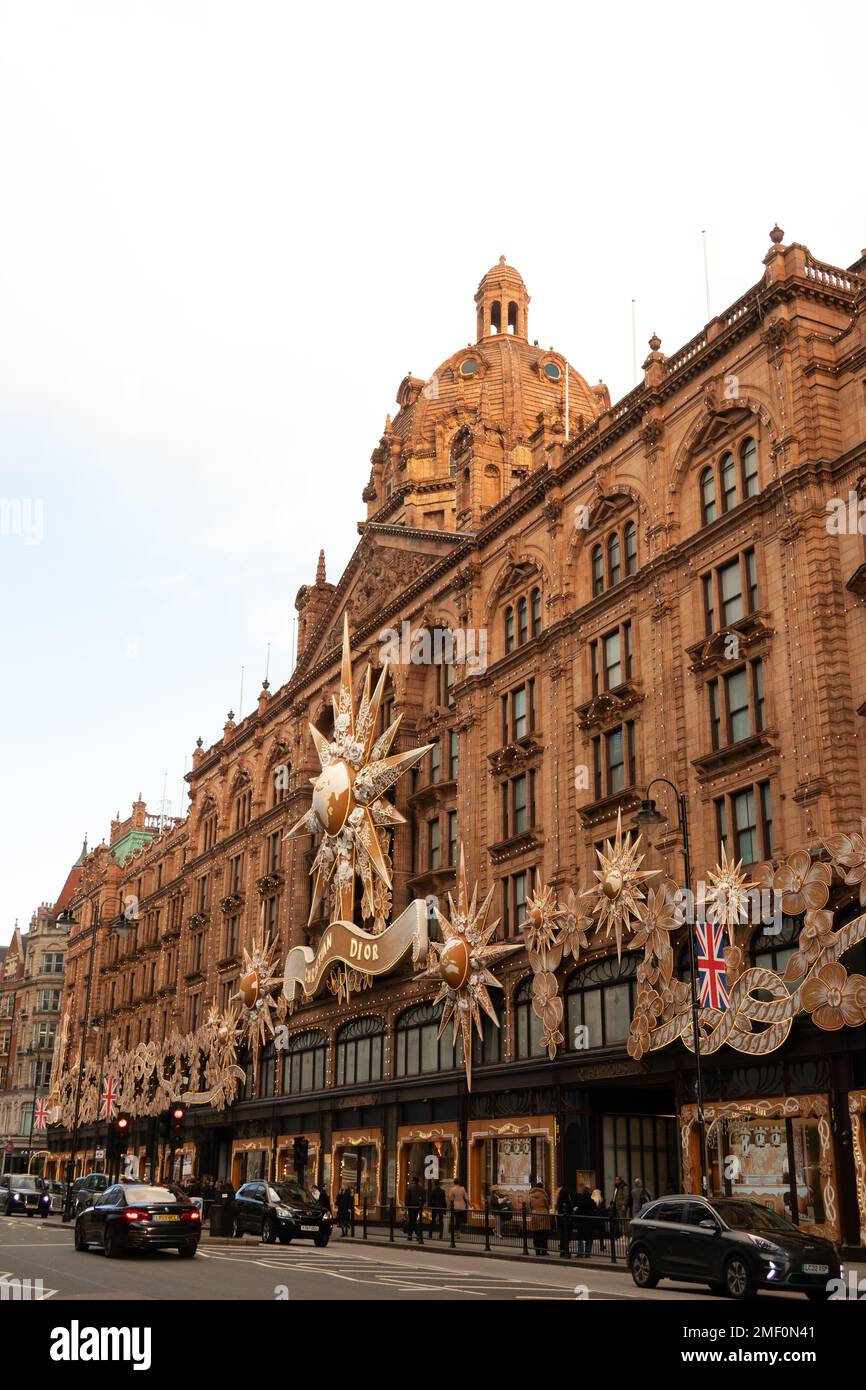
(734, 1244)
(24, 1192)
(57, 1192)
(86, 1190)
(139, 1216)
(282, 1211)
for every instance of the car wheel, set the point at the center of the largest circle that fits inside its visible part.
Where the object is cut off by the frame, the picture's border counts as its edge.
(269, 1230)
(739, 1283)
(321, 1241)
(110, 1244)
(186, 1252)
(80, 1242)
(642, 1269)
(237, 1229)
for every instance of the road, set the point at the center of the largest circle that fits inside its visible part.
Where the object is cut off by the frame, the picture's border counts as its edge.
(35, 1250)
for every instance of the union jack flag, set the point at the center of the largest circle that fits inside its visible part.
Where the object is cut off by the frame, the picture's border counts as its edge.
(712, 976)
(108, 1104)
(40, 1115)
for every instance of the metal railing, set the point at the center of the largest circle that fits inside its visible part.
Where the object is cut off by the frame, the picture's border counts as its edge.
(516, 1229)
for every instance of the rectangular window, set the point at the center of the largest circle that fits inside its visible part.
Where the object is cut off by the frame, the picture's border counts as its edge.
(709, 605)
(520, 882)
(731, 593)
(614, 757)
(274, 843)
(454, 755)
(519, 715)
(452, 837)
(737, 696)
(436, 762)
(596, 768)
(752, 579)
(593, 650)
(433, 850)
(758, 694)
(519, 822)
(715, 714)
(235, 873)
(745, 826)
(612, 660)
(767, 819)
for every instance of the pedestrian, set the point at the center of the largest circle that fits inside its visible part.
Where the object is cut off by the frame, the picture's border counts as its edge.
(598, 1225)
(437, 1203)
(619, 1207)
(344, 1209)
(460, 1205)
(414, 1208)
(539, 1218)
(584, 1213)
(564, 1205)
(639, 1197)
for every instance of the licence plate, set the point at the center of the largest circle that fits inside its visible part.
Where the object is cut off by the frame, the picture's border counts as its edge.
(816, 1269)
(309, 1228)
(166, 1218)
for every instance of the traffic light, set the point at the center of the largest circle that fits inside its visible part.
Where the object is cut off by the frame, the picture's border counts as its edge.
(300, 1153)
(176, 1122)
(118, 1141)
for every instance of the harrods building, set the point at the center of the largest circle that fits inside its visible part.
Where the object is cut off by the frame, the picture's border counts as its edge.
(645, 589)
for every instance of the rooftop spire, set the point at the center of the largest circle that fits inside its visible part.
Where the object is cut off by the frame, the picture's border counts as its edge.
(320, 570)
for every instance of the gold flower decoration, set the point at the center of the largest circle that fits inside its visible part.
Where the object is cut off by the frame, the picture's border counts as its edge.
(540, 924)
(619, 896)
(257, 1003)
(349, 807)
(461, 962)
(835, 999)
(804, 885)
(849, 852)
(573, 927)
(659, 919)
(815, 935)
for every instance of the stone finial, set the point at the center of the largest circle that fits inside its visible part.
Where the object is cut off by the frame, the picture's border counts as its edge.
(655, 342)
(199, 742)
(231, 715)
(320, 570)
(502, 260)
(777, 235)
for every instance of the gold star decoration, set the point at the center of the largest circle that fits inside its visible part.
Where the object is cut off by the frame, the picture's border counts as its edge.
(462, 963)
(349, 807)
(619, 897)
(728, 899)
(257, 1003)
(540, 925)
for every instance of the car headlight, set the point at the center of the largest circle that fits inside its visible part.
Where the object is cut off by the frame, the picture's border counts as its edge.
(326, 1217)
(766, 1246)
(283, 1211)
(15, 1197)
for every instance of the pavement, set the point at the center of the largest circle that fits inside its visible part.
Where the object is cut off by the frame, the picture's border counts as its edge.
(346, 1270)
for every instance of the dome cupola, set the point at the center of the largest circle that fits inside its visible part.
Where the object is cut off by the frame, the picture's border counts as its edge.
(502, 303)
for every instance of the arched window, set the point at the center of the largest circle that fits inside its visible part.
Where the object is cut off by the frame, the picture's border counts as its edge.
(281, 776)
(361, 1051)
(496, 317)
(630, 536)
(749, 465)
(773, 949)
(597, 571)
(527, 1024)
(243, 807)
(306, 1066)
(599, 1002)
(416, 1049)
(614, 562)
(708, 497)
(535, 598)
(728, 474)
(522, 622)
(509, 629)
(460, 445)
(512, 317)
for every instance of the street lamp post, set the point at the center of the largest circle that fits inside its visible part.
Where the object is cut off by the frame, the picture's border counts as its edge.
(646, 816)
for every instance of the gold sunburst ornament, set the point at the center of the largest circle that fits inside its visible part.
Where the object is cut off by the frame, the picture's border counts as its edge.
(349, 807)
(462, 963)
(619, 896)
(258, 1005)
(727, 901)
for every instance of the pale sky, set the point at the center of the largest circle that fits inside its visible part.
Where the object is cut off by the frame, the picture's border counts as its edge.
(227, 230)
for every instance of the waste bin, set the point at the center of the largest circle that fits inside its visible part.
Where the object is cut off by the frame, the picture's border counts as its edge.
(222, 1213)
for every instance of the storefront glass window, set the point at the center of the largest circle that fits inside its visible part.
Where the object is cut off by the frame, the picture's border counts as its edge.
(774, 1161)
(600, 1002)
(360, 1051)
(641, 1146)
(306, 1064)
(514, 1165)
(416, 1048)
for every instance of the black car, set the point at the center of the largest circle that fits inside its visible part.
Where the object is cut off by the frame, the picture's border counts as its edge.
(731, 1243)
(139, 1216)
(87, 1190)
(282, 1211)
(20, 1192)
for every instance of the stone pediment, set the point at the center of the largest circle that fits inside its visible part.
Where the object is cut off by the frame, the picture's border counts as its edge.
(382, 568)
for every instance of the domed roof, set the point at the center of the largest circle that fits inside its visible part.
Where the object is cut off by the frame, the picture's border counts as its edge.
(503, 381)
